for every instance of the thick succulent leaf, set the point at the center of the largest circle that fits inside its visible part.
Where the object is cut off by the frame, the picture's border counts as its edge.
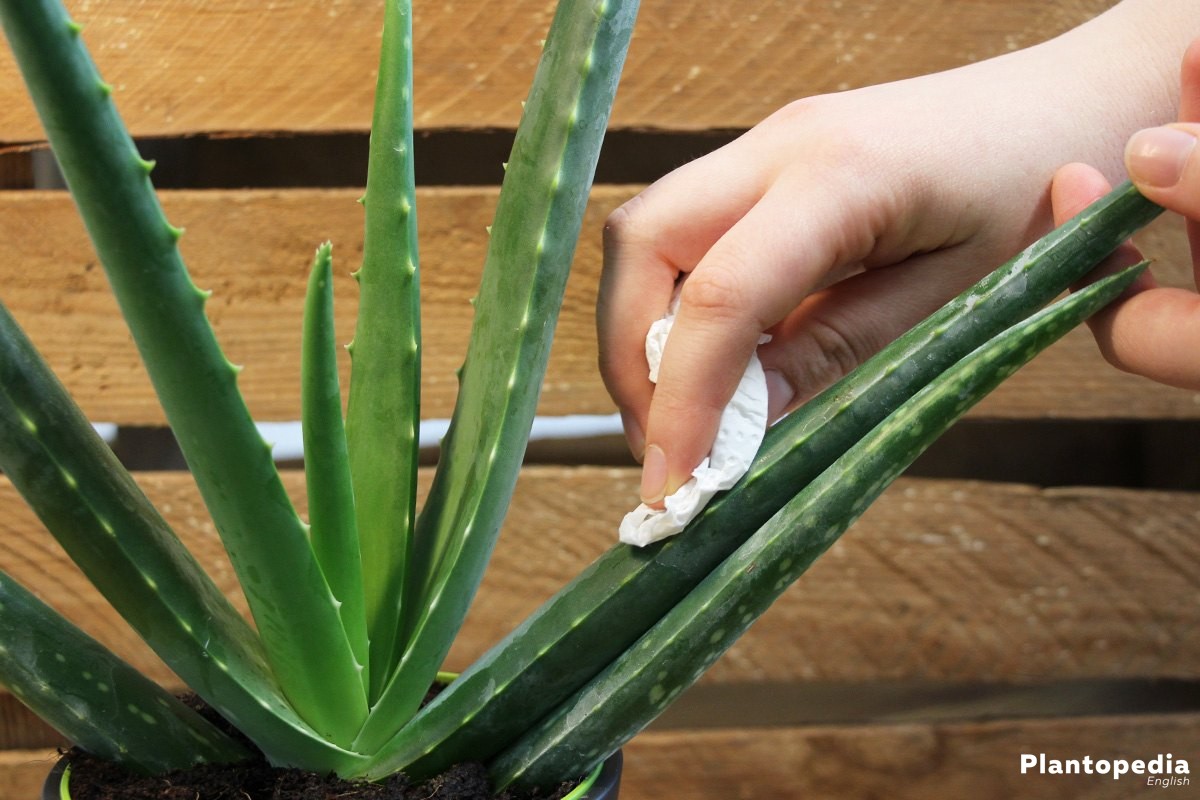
(295, 612)
(384, 413)
(673, 654)
(91, 505)
(332, 525)
(533, 241)
(602, 611)
(94, 698)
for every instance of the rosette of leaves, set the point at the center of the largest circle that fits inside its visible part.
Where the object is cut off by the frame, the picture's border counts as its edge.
(355, 608)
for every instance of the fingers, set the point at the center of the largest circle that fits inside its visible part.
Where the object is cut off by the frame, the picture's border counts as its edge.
(838, 328)
(1153, 332)
(1164, 163)
(1075, 187)
(1189, 111)
(635, 287)
(752, 278)
(1189, 83)
(648, 242)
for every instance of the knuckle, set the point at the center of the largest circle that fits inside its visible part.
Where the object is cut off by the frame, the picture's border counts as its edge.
(716, 294)
(623, 221)
(803, 111)
(829, 356)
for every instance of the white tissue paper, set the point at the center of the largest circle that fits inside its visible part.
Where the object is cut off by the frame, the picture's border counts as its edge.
(743, 424)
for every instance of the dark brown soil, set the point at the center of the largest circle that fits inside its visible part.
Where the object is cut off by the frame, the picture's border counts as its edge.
(94, 779)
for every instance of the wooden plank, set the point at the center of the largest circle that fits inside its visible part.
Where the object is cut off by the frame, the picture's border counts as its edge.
(253, 248)
(980, 760)
(21, 729)
(906, 762)
(304, 65)
(940, 581)
(22, 772)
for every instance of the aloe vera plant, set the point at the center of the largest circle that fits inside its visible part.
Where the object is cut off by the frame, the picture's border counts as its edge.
(356, 607)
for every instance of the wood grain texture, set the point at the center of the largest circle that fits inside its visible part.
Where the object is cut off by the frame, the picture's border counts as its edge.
(303, 65)
(22, 772)
(253, 249)
(21, 729)
(978, 760)
(940, 581)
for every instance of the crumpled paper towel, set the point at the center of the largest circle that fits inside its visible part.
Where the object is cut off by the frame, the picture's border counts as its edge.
(743, 424)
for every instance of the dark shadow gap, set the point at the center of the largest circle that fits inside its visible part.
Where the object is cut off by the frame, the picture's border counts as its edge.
(1135, 455)
(896, 702)
(443, 158)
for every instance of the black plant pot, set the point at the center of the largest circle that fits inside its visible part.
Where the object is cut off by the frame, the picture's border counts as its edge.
(52, 788)
(606, 786)
(608, 783)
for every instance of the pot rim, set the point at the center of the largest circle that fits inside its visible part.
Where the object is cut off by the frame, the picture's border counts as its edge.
(606, 773)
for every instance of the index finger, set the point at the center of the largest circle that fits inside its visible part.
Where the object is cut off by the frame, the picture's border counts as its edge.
(751, 279)
(648, 243)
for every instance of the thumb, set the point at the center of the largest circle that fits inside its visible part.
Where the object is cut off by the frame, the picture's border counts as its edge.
(1164, 164)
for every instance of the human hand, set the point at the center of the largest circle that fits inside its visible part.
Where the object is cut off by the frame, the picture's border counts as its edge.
(842, 220)
(1155, 331)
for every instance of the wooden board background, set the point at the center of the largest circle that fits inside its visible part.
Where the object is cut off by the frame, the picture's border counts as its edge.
(246, 66)
(253, 249)
(959, 624)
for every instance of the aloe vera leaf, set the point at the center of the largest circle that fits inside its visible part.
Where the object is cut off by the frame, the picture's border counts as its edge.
(94, 698)
(295, 612)
(605, 608)
(332, 525)
(533, 239)
(384, 411)
(91, 505)
(672, 655)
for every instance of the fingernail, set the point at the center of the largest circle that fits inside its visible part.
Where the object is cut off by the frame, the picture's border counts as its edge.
(654, 475)
(1156, 156)
(633, 435)
(779, 394)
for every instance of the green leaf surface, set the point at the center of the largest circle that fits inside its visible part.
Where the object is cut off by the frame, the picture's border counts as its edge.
(597, 616)
(294, 610)
(332, 524)
(674, 653)
(384, 413)
(94, 698)
(533, 240)
(91, 505)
